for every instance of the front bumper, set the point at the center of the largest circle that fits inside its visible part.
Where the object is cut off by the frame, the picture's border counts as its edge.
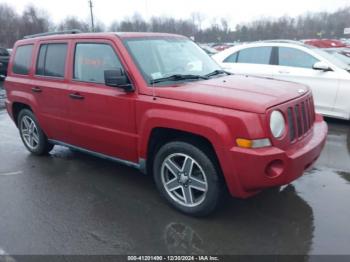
(262, 168)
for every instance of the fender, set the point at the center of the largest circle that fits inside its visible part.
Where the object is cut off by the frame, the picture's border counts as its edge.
(213, 129)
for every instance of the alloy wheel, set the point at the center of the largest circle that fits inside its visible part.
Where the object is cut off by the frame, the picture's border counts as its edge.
(29, 132)
(184, 179)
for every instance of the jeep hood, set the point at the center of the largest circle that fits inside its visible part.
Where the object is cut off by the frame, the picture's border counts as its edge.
(246, 93)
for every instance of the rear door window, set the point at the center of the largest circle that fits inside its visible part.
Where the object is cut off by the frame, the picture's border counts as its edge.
(295, 58)
(52, 60)
(255, 55)
(22, 59)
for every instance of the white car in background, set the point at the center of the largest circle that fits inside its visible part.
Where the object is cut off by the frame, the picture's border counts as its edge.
(327, 76)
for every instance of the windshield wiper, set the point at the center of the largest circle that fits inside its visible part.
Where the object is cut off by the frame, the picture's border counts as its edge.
(178, 77)
(217, 72)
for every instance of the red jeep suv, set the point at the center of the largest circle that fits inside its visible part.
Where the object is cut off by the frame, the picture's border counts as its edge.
(159, 103)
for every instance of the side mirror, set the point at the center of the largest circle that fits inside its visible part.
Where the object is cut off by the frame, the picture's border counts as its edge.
(118, 78)
(322, 66)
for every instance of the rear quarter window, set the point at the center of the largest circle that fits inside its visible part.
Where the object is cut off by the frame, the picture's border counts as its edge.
(22, 59)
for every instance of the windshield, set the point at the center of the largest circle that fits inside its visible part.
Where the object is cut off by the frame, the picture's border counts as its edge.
(336, 61)
(167, 56)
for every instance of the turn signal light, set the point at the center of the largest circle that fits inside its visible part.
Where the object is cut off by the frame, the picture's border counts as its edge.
(245, 143)
(256, 143)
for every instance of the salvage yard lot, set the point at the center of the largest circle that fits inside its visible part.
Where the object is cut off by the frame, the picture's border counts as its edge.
(72, 203)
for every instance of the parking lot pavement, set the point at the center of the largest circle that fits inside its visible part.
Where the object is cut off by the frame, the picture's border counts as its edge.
(2, 95)
(71, 203)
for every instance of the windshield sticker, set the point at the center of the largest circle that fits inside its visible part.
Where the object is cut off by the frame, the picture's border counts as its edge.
(156, 75)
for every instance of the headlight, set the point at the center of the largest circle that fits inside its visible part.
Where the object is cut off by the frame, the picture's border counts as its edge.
(277, 124)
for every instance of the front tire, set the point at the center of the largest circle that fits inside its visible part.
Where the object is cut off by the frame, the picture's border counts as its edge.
(32, 135)
(187, 178)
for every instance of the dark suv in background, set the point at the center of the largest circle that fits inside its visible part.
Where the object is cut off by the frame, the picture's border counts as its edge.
(4, 59)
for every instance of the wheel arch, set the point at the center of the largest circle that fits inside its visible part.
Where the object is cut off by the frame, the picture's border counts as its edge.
(162, 135)
(17, 107)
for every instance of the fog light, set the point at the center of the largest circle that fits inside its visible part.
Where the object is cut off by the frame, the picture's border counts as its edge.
(274, 169)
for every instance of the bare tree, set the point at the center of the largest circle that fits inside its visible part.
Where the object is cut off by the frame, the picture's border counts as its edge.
(33, 21)
(73, 23)
(309, 25)
(8, 26)
(197, 19)
(114, 27)
(100, 27)
(14, 26)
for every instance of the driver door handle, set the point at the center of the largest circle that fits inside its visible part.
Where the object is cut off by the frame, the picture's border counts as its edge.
(76, 96)
(36, 90)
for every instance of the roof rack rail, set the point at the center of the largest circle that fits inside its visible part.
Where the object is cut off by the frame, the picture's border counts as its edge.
(281, 41)
(73, 31)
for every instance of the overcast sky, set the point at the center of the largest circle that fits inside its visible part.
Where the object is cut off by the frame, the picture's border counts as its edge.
(236, 11)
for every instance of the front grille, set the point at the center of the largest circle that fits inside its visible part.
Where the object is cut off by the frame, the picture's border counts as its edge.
(291, 124)
(300, 117)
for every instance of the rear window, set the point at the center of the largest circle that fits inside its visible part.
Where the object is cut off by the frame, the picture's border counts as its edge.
(21, 62)
(52, 60)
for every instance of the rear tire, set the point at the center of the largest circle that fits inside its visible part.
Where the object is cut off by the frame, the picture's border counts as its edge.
(32, 135)
(187, 178)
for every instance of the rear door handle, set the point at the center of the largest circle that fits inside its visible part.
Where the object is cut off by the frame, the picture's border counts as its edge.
(76, 96)
(36, 90)
(283, 72)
